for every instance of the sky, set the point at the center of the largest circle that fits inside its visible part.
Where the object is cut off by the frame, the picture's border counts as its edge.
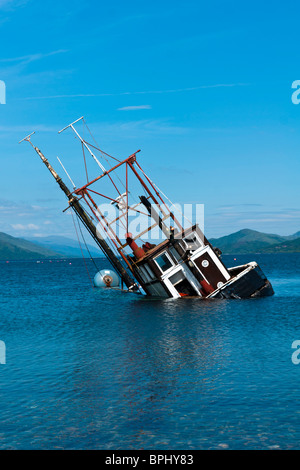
(204, 89)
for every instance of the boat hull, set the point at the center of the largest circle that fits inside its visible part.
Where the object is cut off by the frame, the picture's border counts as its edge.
(247, 281)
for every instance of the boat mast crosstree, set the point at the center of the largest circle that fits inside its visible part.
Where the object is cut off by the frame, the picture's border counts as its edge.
(181, 264)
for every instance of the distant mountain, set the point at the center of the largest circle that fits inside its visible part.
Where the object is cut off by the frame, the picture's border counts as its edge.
(12, 248)
(66, 247)
(290, 246)
(244, 241)
(251, 241)
(293, 237)
(241, 242)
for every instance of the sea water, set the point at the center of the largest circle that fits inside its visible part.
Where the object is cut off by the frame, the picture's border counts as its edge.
(86, 368)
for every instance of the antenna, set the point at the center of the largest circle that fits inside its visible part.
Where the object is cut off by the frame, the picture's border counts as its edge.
(83, 142)
(73, 184)
(70, 125)
(27, 138)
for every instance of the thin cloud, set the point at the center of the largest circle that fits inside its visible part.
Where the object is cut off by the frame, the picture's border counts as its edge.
(21, 219)
(27, 128)
(137, 129)
(135, 108)
(25, 227)
(12, 4)
(26, 59)
(226, 206)
(148, 92)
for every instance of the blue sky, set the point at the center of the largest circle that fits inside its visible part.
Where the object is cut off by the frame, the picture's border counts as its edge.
(203, 88)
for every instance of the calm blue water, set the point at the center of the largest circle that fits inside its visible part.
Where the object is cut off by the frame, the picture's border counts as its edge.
(97, 369)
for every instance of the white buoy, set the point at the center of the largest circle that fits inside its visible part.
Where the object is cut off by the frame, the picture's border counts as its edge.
(106, 278)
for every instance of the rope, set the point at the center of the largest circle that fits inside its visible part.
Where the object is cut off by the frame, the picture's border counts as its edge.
(86, 246)
(160, 191)
(103, 153)
(86, 172)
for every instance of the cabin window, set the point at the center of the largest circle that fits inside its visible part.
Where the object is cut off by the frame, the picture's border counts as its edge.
(182, 284)
(176, 278)
(192, 242)
(149, 271)
(164, 262)
(184, 288)
(146, 273)
(157, 290)
(175, 253)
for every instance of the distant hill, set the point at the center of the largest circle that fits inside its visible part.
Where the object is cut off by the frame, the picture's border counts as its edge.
(251, 241)
(290, 246)
(12, 248)
(296, 235)
(241, 242)
(66, 246)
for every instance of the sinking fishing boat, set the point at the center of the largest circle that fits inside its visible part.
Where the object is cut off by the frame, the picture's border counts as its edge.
(181, 264)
